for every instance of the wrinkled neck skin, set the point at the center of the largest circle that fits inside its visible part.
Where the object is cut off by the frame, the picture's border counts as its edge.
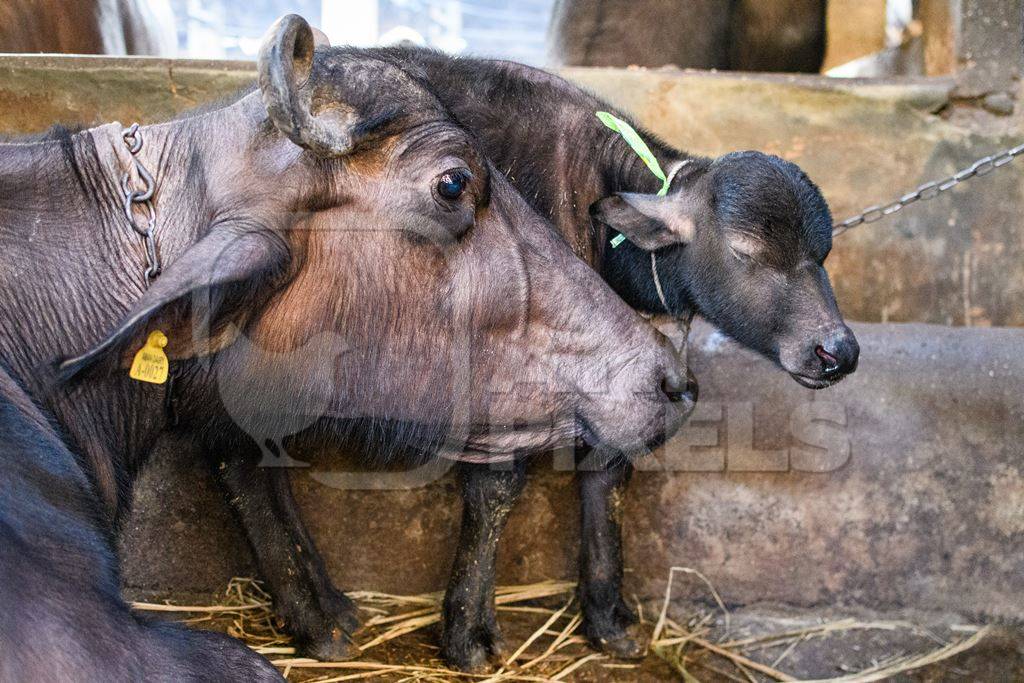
(72, 267)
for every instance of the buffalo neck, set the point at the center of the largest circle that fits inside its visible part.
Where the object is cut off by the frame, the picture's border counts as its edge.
(73, 266)
(587, 162)
(627, 268)
(594, 162)
(543, 132)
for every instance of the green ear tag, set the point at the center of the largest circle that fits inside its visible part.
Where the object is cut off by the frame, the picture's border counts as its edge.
(638, 145)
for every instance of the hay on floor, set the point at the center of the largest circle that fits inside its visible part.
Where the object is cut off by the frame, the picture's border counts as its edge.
(396, 640)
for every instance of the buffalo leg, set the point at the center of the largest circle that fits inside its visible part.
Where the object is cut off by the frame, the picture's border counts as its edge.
(606, 617)
(319, 617)
(471, 636)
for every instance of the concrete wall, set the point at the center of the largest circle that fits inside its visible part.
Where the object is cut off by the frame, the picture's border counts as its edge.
(901, 487)
(978, 40)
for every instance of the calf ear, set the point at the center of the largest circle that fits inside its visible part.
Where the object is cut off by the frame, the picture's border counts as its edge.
(225, 256)
(285, 66)
(648, 221)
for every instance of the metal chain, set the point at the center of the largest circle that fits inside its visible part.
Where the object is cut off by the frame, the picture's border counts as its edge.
(133, 141)
(981, 167)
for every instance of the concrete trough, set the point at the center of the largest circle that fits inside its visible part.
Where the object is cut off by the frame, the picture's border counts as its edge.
(903, 486)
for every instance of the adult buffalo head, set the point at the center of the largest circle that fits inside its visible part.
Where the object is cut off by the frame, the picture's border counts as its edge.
(359, 259)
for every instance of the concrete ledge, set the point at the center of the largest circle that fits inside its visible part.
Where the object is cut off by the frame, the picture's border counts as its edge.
(901, 487)
(958, 260)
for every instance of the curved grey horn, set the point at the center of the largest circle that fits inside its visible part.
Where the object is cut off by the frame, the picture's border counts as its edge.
(285, 65)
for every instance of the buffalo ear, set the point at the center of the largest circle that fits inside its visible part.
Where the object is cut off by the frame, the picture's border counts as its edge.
(648, 221)
(320, 38)
(227, 255)
(285, 66)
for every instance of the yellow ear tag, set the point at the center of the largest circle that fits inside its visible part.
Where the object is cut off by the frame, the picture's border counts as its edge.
(150, 364)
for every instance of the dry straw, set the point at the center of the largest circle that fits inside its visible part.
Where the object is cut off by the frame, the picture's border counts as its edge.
(553, 651)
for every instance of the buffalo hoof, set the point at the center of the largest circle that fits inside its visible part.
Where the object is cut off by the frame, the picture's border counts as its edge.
(340, 611)
(623, 647)
(479, 650)
(336, 646)
(326, 632)
(615, 634)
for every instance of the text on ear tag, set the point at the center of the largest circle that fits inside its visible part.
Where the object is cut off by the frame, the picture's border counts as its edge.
(150, 363)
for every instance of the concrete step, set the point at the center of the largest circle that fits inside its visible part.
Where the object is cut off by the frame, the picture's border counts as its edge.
(903, 486)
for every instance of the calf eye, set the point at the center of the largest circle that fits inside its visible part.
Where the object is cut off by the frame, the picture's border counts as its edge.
(744, 247)
(741, 256)
(451, 184)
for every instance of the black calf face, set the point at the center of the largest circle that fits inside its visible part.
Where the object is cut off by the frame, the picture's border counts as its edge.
(769, 233)
(743, 239)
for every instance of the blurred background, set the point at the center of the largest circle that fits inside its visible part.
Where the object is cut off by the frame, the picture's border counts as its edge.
(835, 37)
(514, 29)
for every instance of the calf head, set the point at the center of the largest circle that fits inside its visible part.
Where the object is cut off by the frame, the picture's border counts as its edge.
(743, 239)
(364, 261)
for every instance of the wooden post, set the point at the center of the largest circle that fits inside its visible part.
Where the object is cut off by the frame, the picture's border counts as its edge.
(978, 41)
(855, 28)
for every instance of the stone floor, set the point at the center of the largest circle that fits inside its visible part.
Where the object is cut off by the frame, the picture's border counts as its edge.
(996, 658)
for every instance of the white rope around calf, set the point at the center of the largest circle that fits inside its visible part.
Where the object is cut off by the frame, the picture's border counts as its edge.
(682, 320)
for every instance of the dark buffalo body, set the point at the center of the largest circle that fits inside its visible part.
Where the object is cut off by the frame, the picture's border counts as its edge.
(62, 617)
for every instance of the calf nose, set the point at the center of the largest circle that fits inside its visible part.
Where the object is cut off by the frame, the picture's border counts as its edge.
(839, 355)
(679, 389)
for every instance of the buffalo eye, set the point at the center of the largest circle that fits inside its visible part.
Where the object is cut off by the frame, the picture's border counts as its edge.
(451, 184)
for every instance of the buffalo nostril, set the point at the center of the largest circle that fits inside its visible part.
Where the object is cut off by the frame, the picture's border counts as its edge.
(830, 364)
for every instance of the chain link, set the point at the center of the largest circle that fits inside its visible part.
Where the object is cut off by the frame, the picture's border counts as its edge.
(981, 167)
(133, 141)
